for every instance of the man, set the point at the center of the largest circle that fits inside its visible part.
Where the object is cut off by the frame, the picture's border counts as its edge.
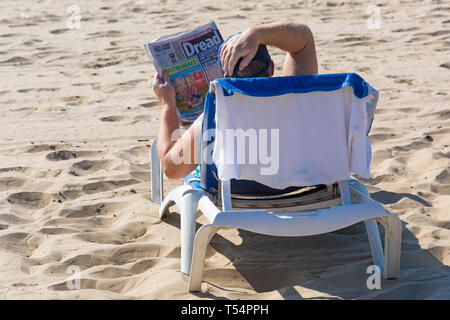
(243, 55)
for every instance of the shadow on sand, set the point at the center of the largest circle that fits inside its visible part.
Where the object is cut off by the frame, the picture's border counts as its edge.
(332, 265)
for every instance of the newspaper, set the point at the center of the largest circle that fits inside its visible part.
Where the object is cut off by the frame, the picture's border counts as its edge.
(190, 57)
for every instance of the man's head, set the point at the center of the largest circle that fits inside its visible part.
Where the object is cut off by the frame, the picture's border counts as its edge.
(260, 66)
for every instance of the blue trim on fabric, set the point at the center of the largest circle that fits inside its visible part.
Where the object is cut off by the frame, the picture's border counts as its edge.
(207, 167)
(276, 86)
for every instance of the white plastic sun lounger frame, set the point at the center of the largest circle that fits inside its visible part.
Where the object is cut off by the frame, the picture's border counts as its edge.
(356, 206)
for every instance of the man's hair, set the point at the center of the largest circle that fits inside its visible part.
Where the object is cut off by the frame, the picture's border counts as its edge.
(254, 69)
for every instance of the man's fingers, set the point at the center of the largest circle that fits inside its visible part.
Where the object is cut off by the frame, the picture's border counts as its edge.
(156, 79)
(232, 62)
(166, 77)
(222, 53)
(245, 61)
(224, 60)
(231, 50)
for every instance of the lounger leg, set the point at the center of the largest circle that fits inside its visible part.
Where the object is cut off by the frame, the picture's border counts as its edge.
(188, 209)
(373, 233)
(375, 243)
(157, 191)
(392, 246)
(202, 238)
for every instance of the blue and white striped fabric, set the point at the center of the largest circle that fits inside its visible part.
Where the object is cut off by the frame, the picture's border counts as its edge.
(322, 122)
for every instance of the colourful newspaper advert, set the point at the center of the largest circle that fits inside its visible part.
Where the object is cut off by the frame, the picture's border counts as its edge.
(190, 57)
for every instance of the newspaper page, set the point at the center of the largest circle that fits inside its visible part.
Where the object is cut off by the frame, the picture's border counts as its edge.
(190, 57)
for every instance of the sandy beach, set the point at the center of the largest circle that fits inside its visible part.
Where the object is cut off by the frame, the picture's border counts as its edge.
(78, 116)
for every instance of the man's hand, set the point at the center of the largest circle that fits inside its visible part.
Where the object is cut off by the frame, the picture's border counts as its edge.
(164, 91)
(243, 45)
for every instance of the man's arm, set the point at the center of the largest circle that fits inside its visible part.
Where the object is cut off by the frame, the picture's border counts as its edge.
(178, 155)
(295, 39)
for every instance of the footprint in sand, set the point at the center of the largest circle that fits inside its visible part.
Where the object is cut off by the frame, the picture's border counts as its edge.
(415, 145)
(9, 183)
(41, 147)
(83, 211)
(142, 117)
(149, 104)
(121, 235)
(101, 65)
(353, 39)
(139, 256)
(137, 9)
(378, 137)
(113, 256)
(38, 90)
(135, 153)
(16, 61)
(90, 166)
(59, 31)
(112, 118)
(8, 35)
(405, 29)
(103, 208)
(17, 242)
(211, 8)
(73, 100)
(381, 178)
(132, 252)
(143, 176)
(62, 155)
(15, 169)
(57, 231)
(442, 115)
(103, 186)
(10, 219)
(83, 260)
(108, 34)
(31, 42)
(113, 272)
(440, 189)
(32, 200)
(443, 177)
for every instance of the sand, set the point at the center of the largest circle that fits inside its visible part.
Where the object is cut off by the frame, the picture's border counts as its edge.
(76, 123)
